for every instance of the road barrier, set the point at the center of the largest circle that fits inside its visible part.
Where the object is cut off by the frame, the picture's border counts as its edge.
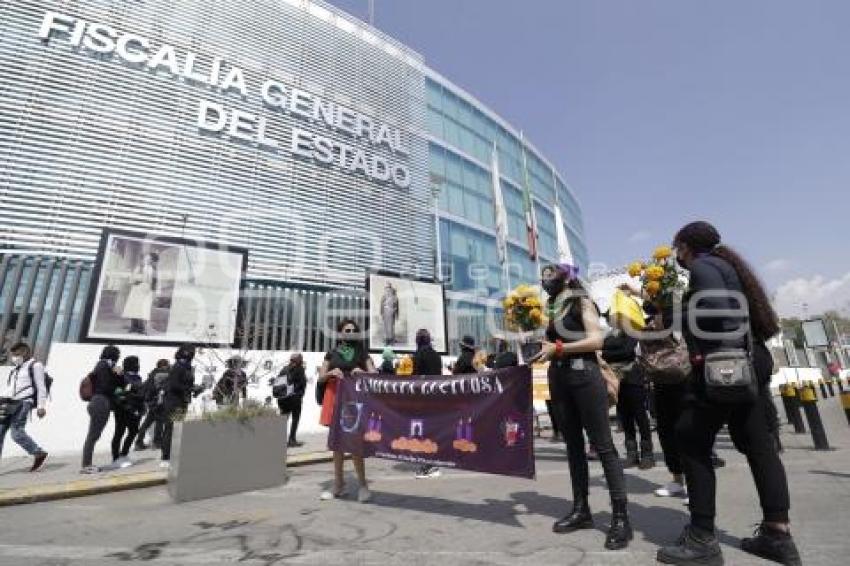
(845, 403)
(791, 393)
(808, 398)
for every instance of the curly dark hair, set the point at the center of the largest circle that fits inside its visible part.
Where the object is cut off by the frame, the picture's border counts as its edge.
(702, 237)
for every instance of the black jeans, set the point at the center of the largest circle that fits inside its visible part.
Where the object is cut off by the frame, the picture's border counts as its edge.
(580, 398)
(748, 428)
(153, 416)
(98, 408)
(126, 428)
(168, 412)
(669, 404)
(554, 418)
(291, 406)
(631, 409)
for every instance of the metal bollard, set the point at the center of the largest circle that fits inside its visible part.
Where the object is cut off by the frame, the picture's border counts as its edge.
(830, 387)
(796, 418)
(822, 385)
(783, 392)
(845, 403)
(808, 398)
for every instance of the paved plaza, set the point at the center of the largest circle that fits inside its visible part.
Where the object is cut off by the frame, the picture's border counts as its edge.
(458, 519)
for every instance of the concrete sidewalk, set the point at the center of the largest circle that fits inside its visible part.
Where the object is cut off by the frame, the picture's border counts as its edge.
(60, 477)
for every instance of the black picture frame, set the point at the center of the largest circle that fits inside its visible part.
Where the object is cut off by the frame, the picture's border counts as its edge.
(403, 277)
(97, 273)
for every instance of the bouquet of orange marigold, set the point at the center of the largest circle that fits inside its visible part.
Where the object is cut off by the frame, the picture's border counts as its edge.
(659, 278)
(524, 309)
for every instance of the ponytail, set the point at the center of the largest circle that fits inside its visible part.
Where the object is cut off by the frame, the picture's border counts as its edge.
(763, 319)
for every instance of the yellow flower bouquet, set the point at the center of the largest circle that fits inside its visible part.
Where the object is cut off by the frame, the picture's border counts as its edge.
(524, 309)
(659, 278)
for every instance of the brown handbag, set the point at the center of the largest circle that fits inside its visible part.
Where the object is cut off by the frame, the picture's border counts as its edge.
(612, 382)
(665, 361)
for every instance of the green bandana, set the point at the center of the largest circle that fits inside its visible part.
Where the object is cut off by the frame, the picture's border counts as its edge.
(346, 352)
(555, 309)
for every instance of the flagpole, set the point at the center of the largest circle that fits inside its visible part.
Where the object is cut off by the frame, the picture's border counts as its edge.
(530, 198)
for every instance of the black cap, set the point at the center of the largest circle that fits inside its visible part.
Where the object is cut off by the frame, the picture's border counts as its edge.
(467, 342)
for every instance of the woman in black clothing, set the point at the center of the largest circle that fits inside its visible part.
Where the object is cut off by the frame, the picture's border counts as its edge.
(464, 363)
(619, 351)
(106, 381)
(578, 391)
(294, 376)
(715, 268)
(348, 358)
(426, 360)
(179, 388)
(129, 408)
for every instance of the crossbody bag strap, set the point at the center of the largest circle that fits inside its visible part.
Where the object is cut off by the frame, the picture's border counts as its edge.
(748, 346)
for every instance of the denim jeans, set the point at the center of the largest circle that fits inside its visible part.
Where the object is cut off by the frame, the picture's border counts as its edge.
(17, 424)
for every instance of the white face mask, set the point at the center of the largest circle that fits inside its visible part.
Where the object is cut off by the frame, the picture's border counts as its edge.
(17, 360)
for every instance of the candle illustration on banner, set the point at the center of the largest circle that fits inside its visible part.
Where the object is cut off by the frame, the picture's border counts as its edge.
(373, 432)
(463, 436)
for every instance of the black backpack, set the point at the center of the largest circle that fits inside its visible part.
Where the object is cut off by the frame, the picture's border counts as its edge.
(48, 382)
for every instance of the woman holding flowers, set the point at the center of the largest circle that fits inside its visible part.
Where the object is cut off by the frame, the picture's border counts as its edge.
(577, 388)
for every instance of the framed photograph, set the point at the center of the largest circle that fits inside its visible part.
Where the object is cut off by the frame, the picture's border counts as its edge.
(399, 306)
(148, 289)
(815, 333)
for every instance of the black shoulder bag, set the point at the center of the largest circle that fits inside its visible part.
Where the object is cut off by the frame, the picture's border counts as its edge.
(730, 376)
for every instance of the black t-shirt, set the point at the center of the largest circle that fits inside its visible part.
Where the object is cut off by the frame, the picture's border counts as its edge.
(569, 328)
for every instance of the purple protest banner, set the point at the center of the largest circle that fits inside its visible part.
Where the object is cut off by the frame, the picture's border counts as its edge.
(480, 422)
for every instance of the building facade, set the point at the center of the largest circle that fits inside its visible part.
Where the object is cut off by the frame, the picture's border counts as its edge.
(286, 127)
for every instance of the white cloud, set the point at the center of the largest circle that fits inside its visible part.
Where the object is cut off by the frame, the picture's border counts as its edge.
(639, 236)
(818, 293)
(780, 264)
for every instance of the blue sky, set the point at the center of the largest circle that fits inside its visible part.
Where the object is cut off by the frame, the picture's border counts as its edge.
(659, 112)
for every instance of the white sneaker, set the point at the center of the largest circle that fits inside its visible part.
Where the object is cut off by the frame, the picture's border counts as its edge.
(125, 463)
(328, 495)
(686, 501)
(428, 472)
(364, 495)
(672, 489)
(165, 465)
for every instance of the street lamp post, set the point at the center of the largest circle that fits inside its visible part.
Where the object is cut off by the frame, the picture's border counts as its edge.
(436, 187)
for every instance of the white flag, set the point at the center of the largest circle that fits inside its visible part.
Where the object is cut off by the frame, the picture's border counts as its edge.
(565, 255)
(501, 213)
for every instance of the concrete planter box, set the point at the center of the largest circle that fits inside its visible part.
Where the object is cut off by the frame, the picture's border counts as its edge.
(215, 458)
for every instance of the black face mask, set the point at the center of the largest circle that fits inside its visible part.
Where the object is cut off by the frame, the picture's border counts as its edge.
(553, 286)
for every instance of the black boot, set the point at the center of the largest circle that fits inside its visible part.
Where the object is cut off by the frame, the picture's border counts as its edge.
(693, 547)
(620, 532)
(647, 455)
(579, 517)
(631, 454)
(772, 545)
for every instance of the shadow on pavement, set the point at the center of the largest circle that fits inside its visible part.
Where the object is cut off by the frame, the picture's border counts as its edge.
(828, 473)
(49, 467)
